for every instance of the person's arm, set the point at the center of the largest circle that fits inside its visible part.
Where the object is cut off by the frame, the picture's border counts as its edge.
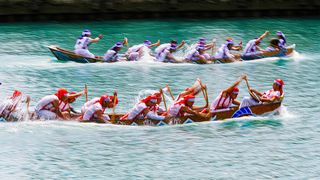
(181, 45)
(236, 102)
(256, 92)
(155, 44)
(229, 90)
(262, 36)
(73, 110)
(100, 118)
(153, 116)
(189, 111)
(96, 39)
(57, 110)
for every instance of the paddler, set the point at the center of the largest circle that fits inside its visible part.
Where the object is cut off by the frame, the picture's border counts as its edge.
(9, 109)
(157, 109)
(164, 51)
(66, 108)
(142, 110)
(135, 52)
(271, 95)
(198, 55)
(48, 107)
(184, 109)
(282, 39)
(227, 97)
(112, 54)
(252, 47)
(83, 42)
(223, 54)
(95, 111)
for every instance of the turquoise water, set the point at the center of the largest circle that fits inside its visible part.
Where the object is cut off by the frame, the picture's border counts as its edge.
(285, 146)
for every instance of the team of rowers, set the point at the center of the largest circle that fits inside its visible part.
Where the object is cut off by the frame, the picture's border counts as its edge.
(58, 105)
(165, 52)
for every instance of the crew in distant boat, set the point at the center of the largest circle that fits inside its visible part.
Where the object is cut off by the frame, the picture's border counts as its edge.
(164, 51)
(142, 110)
(94, 111)
(252, 48)
(48, 107)
(282, 39)
(83, 42)
(272, 95)
(10, 109)
(112, 54)
(184, 109)
(227, 97)
(198, 55)
(135, 52)
(224, 55)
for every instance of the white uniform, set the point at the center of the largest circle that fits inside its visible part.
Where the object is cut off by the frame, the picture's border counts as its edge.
(162, 56)
(223, 52)
(136, 111)
(88, 104)
(221, 103)
(251, 48)
(157, 109)
(174, 110)
(133, 52)
(90, 113)
(45, 109)
(81, 47)
(249, 101)
(63, 106)
(193, 55)
(110, 55)
(282, 43)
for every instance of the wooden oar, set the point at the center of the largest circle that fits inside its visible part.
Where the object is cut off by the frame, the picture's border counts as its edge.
(253, 95)
(164, 100)
(213, 46)
(86, 89)
(170, 92)
(114, 106)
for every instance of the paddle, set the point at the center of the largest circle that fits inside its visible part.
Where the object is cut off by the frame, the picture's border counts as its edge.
(164, 100)
(114, 106)
(213, 46)
(86, 91)
(253, 95)
(170, 92)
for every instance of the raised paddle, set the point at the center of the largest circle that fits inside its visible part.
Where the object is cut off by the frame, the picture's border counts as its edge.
(114, 106)
(164, 99)
(86, 91)
(170, 92)
(253, 95)
(213, 46)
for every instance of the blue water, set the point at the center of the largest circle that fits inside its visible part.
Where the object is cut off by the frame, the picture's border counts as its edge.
(284, 146)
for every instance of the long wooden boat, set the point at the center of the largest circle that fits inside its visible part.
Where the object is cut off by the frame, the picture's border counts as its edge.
(67, 55)
(219, 116)
(288, 51)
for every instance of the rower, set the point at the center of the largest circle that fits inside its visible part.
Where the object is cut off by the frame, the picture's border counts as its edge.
(184, 109)
(95, 112)
(66, 108)
(273, 45)
(164, 51)
(252, 47)
(11, 109)
(282, 39)
(112, 54)
(198, 55)
(48, 107)
(135, 52)
(224, 53)
(227, 97)
(156, 108)
(142, 110)
(269, 96)
(83, 42)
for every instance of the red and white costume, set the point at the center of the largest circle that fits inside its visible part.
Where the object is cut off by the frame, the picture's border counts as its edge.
(88, 104)
(175, 109)
(91, 112)
(221, 102)
(45, 109)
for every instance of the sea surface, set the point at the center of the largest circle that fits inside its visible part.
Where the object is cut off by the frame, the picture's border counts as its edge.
(284, 146)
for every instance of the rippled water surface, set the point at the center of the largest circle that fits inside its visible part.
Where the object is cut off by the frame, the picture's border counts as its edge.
(285, 146)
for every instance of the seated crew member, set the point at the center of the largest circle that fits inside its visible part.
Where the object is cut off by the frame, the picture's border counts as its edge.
(65, 108)
(48, 107)
(95, 112)
(252, 47)
(198, 55)
(282, 39)
(185, 109)
(112, 54)
(135, 52)
(224, 54)
(10, 108)
(227, 97)
(142, 110)
(271, 95)
(83, 42)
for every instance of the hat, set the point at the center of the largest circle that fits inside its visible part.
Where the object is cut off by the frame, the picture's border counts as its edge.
(279, 82)
(173, 47)
(86, 32)
(61, 93)
(147, 42)
(235, 90)
(189, 98)
(104, 98)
